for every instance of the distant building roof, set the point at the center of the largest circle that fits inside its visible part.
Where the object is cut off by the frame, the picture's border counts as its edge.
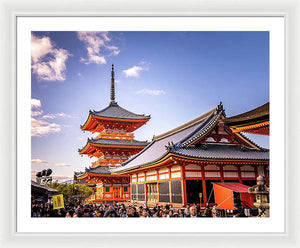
(68, 182)
(253, 116)
(255, 121)
(42, 188)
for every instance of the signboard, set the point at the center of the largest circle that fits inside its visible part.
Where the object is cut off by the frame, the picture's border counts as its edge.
(58, 201)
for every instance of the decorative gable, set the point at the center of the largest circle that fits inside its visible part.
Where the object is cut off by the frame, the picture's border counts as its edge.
(222, 134)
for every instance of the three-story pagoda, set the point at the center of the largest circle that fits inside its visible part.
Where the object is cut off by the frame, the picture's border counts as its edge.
(113, 145)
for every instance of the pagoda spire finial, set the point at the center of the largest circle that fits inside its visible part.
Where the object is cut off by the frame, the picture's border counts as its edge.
(112, 85)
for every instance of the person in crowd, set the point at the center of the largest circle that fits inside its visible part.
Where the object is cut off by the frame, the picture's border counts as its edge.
(144, 213)
(207, 211)
(127, 211)
(171, 213)
(193, 212)
(214, 211)
(187, 211)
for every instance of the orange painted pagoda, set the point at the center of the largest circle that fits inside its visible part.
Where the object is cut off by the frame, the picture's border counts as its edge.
(113, 145)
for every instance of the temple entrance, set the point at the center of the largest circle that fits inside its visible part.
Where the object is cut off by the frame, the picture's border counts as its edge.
(249, 183)
(210, 190)
(152, 192)
(117, 192)
(193, 189)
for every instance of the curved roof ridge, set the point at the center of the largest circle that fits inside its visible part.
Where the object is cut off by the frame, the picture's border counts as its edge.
(206, 126)
(118, 140)
(185, 125)
(254, 113)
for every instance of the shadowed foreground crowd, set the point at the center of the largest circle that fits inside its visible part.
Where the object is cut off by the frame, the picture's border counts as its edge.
(120, 210)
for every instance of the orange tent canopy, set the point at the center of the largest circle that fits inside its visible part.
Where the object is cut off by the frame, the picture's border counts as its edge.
(224, 195)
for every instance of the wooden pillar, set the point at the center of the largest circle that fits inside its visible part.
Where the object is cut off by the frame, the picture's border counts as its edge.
(170, 188)
(121, 192)
(256, 172)
(157, 179)
(221, 173)
(145, 190)
(266, 174)
(240, 174)
(204, 184)
(183, 185)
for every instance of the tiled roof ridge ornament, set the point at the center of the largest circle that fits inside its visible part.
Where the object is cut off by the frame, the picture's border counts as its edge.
(170, 146)
(220, 109)
(112, 87)
(203, 146)
(244, 148)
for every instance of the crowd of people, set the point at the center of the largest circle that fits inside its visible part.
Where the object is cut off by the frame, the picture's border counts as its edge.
(125, 211)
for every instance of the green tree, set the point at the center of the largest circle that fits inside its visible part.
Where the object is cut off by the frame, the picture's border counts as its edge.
(73, 193)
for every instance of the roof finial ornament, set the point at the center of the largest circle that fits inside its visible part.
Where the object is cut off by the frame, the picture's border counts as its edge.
(220, 107)
(112, 86)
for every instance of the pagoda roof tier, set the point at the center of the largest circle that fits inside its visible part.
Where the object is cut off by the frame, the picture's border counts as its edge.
(187, 140)
(113, 114)
(96, 172)
(97, 121)
(113, 110)
(93, 144)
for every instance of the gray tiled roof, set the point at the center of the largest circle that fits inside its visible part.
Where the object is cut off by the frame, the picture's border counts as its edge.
(157, 148)
(116, 142)
(177, 142)
(115, 111)
(42, 187)
(119, 142)
(216, 151)
(99, 170)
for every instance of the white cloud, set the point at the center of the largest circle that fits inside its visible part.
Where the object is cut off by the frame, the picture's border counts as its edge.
(36, 107)
(98, 47)
(133, 71)
(38, 161)
(48, 62)
(40, 47)
(41, 128)
(36, 113)
(35, 103)
(62, 165)
(151, 92)
(53, 116)
(61, 178)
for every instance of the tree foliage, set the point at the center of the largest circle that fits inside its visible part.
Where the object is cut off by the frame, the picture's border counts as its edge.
(73, 193)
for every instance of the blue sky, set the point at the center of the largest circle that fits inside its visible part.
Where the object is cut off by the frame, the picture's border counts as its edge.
(174, 76)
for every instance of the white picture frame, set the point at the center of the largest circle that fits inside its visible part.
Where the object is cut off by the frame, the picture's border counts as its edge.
(10, 10)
